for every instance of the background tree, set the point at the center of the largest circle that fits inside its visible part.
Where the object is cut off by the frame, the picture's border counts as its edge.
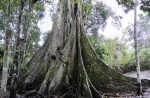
(143, 39)
(6, 57)
(21, 36)
(144, 5)
(139, 92)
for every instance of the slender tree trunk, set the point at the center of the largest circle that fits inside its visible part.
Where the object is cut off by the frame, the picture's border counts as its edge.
(139, 92)
(16, 59)
(6, 57)
(18, 40)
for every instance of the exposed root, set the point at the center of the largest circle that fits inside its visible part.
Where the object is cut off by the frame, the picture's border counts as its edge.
(64, 94)
(98, 92)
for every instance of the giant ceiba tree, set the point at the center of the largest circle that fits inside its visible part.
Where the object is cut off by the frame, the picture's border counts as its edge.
(66, 65)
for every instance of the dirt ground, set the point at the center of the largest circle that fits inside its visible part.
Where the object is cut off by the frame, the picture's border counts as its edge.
(144, 74)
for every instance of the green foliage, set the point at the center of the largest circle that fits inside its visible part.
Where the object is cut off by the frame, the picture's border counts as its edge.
(39, 6)
(97, 16)
(97, 43)
(129, 4)
(145, 58)
(75, 1)
(29, 31)
(104, 11)
(117, 55)
(34, 44)
(144, 54)
(25, 14)
(144, 61)
(145, 6)
(87, 7)
(113, 52)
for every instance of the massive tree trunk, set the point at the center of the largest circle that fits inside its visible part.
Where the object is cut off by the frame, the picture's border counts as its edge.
(67, 65)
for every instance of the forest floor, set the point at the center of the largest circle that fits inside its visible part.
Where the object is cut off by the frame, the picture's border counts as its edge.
(144, 75)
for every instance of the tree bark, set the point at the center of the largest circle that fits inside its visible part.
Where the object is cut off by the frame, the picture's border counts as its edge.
(139, 92)
(6, 57)
(67, 65)
(16, 59)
